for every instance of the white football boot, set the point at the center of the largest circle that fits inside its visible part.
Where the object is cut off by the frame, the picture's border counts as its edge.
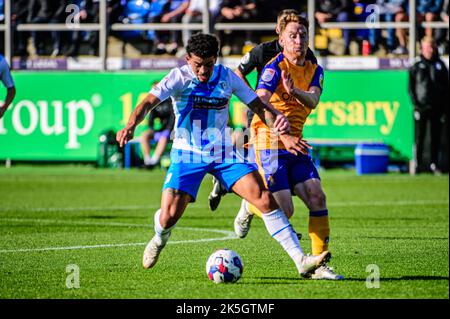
(152, 251)
(310, 263)
(243, 220)
(326, 272)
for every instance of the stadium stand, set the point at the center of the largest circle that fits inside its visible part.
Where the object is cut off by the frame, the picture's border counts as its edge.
(150, 34)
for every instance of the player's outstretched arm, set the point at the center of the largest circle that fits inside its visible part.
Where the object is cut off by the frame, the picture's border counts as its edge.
(309, 98)
(138, 115)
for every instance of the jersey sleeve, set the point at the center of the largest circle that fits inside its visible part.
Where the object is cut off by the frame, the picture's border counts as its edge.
(241, 89)
(168, 86)
(6, 74)
(250, 60)
(270, 77)
(317, 78)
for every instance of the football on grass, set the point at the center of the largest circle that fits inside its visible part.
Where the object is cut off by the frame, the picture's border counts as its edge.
(224, 266)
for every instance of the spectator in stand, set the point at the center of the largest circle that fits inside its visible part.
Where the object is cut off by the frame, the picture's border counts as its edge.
(235, 11)
(442, 38)
(361, 14)
(58, 15)
(176, 11)
(428, 11)
(390, 11)
(194, 15)
(19, 14)
(268, 9)
(93, 16)
(336, 10)
(89, 12)
(157, 10)
(39, 11)
(135, 12)
(75, 37)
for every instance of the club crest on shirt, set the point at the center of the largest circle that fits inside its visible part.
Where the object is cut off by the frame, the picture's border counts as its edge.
(223, 85)
(268, 75)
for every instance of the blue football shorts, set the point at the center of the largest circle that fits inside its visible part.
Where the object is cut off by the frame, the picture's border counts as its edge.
(283, 170)
(187, 177)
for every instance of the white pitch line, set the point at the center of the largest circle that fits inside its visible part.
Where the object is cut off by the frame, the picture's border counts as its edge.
(71, 209)
(228, 235)
(72, 222)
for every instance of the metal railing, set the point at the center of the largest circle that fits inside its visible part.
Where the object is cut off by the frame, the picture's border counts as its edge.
(205, 26)
(410, 25)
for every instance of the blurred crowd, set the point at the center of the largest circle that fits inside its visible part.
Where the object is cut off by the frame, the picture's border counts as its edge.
(394, 41)
(78, 42)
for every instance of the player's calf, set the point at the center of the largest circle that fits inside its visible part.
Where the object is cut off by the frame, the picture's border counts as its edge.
(157, 243)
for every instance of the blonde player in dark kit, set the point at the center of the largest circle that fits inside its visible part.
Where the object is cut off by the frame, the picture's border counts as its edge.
(293, 85)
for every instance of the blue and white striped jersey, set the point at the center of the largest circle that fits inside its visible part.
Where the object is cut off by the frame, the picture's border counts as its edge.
(201, 109)
(5, 75)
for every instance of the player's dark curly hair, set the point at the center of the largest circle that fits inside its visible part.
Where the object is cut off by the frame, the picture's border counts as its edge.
(203, 45)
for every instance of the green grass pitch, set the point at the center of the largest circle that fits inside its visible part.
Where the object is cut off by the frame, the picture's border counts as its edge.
(52, 217)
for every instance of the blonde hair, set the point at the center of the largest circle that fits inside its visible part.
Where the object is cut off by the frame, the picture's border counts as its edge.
(290, 15)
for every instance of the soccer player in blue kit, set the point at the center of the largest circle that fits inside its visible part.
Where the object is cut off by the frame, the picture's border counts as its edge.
(200, 93)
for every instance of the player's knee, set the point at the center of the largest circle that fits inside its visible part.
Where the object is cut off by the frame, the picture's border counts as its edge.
(266, 202)
(317, 199)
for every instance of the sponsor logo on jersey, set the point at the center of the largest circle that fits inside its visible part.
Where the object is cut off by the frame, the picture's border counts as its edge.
(223, 85)
(268, 75)
(206, 102)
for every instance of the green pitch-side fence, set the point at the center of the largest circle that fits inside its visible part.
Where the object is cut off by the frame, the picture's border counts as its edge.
(59, 115)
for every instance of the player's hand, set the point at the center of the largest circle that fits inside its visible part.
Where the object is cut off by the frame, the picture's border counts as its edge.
(295, 145)
(124, 135)
(288, 83)
(281, 124)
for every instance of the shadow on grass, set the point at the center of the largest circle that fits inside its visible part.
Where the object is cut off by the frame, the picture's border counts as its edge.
(294, 280)
(403, 278)
(406, 238)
